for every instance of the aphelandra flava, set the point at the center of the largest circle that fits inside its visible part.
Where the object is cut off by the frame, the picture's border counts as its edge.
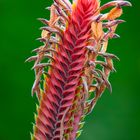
(69, 76)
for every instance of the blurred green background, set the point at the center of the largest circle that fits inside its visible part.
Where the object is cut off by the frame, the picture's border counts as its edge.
(115, 117)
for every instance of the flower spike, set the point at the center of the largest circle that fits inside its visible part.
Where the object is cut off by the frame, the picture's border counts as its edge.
(69, 75)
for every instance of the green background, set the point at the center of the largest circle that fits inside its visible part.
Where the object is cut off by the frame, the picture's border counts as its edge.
(115, 117)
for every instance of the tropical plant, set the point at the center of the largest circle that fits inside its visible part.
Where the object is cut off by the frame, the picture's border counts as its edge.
(70, 75)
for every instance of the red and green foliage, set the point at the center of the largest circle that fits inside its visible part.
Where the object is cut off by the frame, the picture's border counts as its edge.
(69, 76)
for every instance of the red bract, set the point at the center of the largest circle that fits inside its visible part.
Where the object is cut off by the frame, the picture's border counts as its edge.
(73, 39)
